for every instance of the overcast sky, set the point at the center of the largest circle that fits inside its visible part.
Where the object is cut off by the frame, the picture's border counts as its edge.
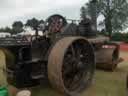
(13, 10)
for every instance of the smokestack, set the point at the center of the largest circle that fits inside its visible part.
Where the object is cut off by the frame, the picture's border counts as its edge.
(93, 13)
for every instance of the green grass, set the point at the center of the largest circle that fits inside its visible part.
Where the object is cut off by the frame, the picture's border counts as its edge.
(105, 83)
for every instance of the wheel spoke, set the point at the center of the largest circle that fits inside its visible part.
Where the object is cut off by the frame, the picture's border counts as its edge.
(72, 70)
(68, 69)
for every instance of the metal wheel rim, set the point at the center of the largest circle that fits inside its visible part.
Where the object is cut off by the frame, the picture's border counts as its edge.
(81, 58)
(55, 67)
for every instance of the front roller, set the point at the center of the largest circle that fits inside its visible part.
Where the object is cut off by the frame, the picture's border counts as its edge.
(71, 65)
(107, 57)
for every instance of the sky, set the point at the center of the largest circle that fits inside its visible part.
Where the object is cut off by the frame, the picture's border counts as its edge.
(15, 10)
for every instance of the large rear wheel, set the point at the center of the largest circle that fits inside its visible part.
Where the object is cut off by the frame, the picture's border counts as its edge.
(71, 65)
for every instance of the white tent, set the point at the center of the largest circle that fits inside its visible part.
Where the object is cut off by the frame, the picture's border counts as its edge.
(4, 34)
(26, 33)
(29, 31)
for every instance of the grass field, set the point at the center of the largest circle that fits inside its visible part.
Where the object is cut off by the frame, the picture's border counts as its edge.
(105, 83)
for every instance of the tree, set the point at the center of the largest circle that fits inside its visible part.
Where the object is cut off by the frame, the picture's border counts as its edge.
(41, 25)
(34, 24)
(41, 22)
(115, 14)
(17, 26)
(6, 29)
(1, 29)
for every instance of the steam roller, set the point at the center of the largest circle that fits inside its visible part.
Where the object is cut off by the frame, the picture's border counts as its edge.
(60, 57)
(108, 56)
(65, 56)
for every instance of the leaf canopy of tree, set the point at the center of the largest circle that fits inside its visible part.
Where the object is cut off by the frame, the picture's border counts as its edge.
(17, 27)
(115, 13)
(33, 23)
